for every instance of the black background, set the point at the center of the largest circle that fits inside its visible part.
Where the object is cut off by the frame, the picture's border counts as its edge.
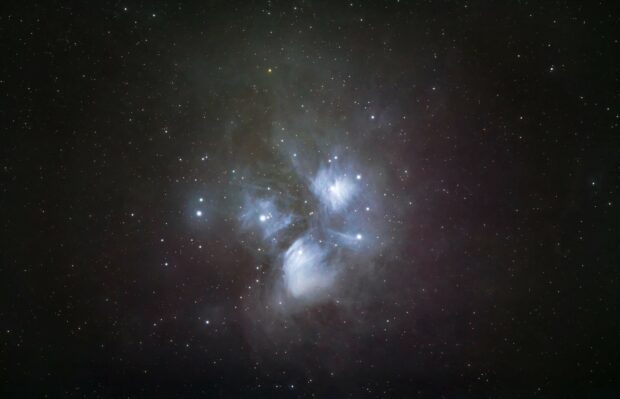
(502, 280)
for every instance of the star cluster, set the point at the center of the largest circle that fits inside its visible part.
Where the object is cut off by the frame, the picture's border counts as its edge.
(315, 236)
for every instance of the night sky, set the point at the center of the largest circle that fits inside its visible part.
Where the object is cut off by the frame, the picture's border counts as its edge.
(310, 199)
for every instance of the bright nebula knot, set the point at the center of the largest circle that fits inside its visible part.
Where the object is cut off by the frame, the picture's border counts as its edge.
(335, 192)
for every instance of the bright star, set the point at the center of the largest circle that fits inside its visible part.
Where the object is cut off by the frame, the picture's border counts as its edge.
(198, 213)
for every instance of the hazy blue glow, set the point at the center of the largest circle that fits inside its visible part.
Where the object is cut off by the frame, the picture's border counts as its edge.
(306, 272)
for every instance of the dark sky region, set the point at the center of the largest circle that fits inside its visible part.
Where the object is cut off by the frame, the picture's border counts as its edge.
(310, 199)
